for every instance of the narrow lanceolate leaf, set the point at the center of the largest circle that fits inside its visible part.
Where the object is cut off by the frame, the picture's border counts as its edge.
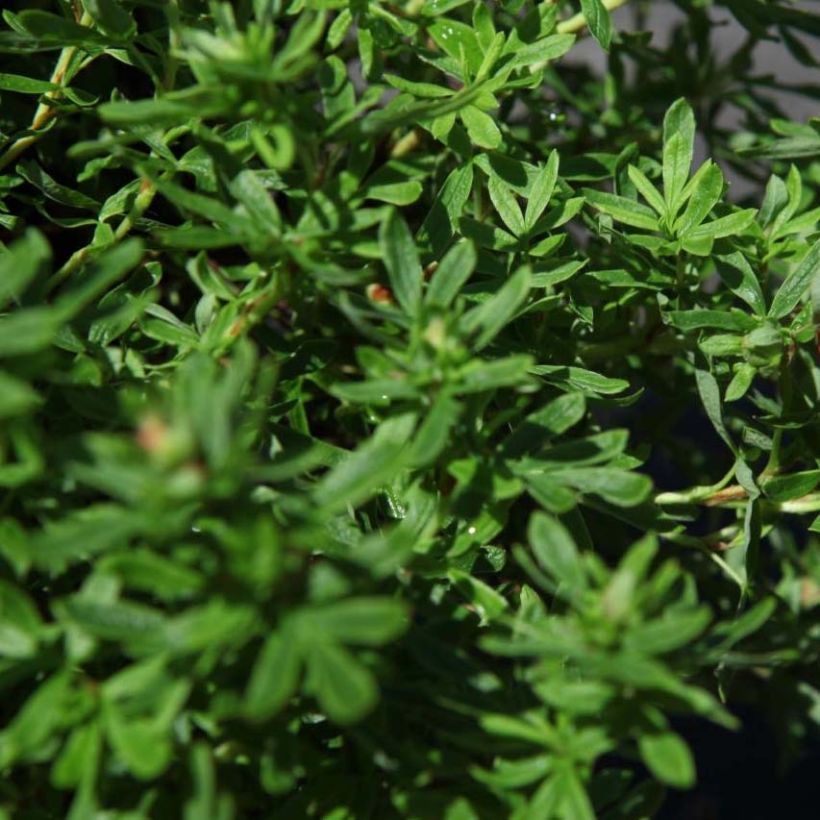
(796, 284)
(537, 54)
(597, 17)
(556, 552)
(21, 263)
(740, 278)
(725, 320)
(489, 318)
(647, 190)
(623, 210)
(710, 397)
(401, 259)
(725, 226)
(678, 148)
(25, 85)
(507, 205)
(365, 471)
(541, 191)
(705, 195)
(452, 272)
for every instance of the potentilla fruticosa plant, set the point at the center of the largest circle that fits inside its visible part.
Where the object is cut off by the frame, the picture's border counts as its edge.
(401, 416)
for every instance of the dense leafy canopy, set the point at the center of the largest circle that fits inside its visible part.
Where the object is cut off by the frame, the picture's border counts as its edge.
(397, 418)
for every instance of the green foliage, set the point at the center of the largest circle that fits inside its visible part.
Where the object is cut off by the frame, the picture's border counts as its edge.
(396, 419)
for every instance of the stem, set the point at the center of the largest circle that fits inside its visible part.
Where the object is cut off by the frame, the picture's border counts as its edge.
(45, 112)
(579, 22)
(773, 464)
(77, 259)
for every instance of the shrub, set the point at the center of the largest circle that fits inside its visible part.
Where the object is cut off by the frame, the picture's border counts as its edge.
(396, 420)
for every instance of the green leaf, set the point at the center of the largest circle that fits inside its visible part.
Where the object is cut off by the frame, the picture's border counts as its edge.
(560, 414)
(507, 206)
(346, 691)
(489, 603)
(678, 148)
(275, 675)
(402, 262)
(25, 85)
(111, 18)
(649, 192)
(361, 621)
(434, 433)
(21, 263)
(366, 470)
(79, 758)
(556, 552)
(737, 274)
(796, 284)
(143, 747)
(541, 191)
(741, 382)
(452, 272)
(479, 376)
(116, 621)
(481, 128)
(707, 189)
(597, 17)
(103, 272)
(725, 226)
(689, 320)
(458, 40)
(710, 397)
(16, 396)
(490, 317)
(786, 487)
(668, 758)
(623, 210)
(668, 633)
(447, 208)
(536, 55)
(625, 489)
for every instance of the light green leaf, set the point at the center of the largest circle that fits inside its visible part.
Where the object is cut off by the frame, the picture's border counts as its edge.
(741, 382)
(541, 191)
(796, 284)
(506, 204)
(556, 552)
(481, 127)
(737, 274)
(668, 758)
(725, 226)
(597, 17)
(678, 147)
(623, 210)
(707, 189)
(649, 192)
